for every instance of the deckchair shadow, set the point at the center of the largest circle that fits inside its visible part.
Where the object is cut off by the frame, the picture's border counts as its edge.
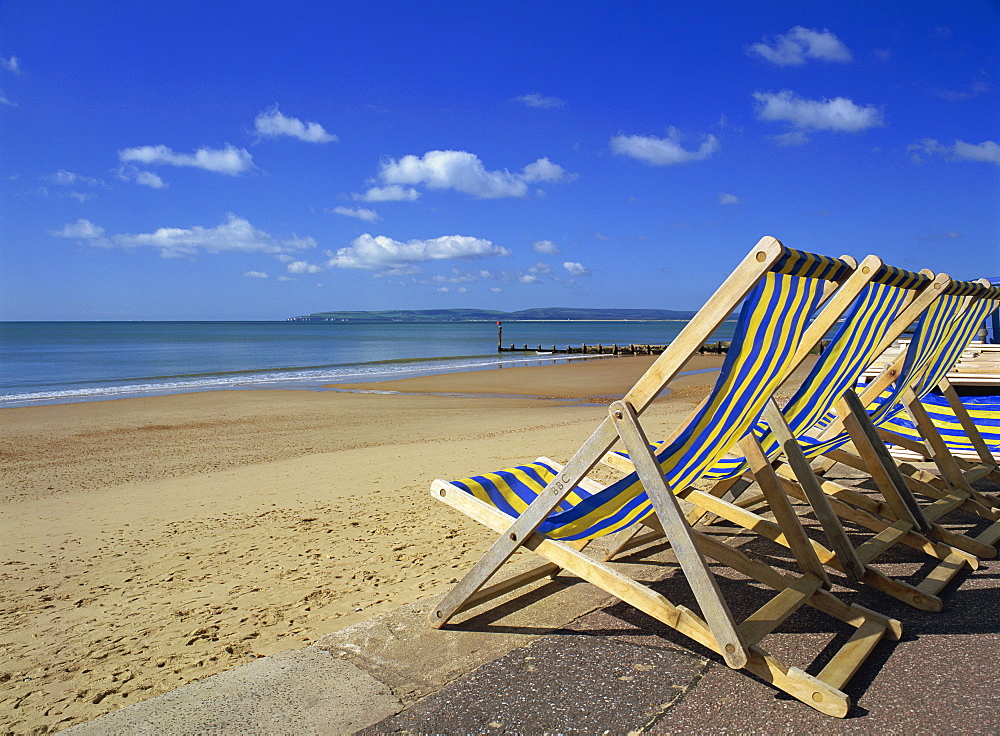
(555, 511)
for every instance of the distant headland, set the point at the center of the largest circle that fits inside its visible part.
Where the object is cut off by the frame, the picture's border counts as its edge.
(487, 315)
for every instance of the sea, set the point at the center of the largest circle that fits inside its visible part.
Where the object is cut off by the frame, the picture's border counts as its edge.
(63, 362)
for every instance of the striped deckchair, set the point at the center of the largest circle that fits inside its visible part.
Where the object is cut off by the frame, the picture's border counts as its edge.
(888, 305)
(555, 511)
(954, 430)
(940, 336)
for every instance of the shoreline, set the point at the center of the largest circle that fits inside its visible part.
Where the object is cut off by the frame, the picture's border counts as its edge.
(150, 542)
(290, 379)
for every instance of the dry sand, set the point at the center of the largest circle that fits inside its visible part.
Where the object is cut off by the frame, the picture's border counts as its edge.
(150, 542)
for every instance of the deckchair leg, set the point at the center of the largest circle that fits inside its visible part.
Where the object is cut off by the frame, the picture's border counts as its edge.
(798, 542)
(817, 693)
(936, 446)
(626, 540)
(968, 424)
(730, 488)
(699, 576)
(524, 525)
(905, 592)
(852, 564)
(880, 464)
(822, 466)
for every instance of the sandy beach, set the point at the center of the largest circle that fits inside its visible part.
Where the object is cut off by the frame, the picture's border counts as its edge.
(150, 542)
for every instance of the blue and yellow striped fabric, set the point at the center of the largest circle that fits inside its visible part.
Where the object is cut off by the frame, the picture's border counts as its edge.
(770, 327)
(853, 347)
(958, 334)
(984, 411)
(941, 334)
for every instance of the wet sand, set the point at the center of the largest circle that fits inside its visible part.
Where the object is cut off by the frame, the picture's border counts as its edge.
(150, 542)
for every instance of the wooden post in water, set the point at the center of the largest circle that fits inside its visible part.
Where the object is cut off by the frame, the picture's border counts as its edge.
(499, 337)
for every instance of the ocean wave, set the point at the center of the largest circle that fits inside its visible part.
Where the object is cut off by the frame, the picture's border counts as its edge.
(308, 378)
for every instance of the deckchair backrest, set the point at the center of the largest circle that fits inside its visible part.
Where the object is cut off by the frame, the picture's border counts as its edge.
(853, 347)
(959, 334)
(772, 322)
(941, 334)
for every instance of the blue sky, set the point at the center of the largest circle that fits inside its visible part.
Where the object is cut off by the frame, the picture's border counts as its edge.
(260, 160)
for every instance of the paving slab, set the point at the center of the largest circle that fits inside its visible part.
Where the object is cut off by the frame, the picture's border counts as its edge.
(566, 682)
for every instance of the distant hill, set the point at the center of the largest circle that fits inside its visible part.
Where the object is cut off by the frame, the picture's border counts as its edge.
(487, 315)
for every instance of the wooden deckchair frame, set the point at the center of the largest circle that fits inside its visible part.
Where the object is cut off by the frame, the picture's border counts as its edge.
(830, 502)
(955, 472)
(949, 491)
(737, 644)
(902, 519)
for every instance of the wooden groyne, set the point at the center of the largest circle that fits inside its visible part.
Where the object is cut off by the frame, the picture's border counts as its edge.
(584, 349)
(719, 347)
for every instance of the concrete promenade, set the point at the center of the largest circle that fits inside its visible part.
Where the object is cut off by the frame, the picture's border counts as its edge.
(567, 658)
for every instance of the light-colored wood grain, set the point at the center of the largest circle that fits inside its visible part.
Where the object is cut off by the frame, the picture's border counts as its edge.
(772, 614)
(839, 670)
(703, 584)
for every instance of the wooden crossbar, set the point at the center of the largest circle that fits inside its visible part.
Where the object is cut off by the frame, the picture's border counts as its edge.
(839, 670)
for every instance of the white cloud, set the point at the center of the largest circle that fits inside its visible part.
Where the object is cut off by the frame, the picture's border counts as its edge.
(68, 178)
(839, 114)
(270, 123)
(144, 178)
(234, 235)
(972, 90)
(791, 138)
(464, 172)
(303, 267)
(149, 179)
(576, 269)
(540, 268)
(728, 198)
(544, 170)
(463, 277)
(546, 247)
(82, 197)
(12, 64)
(794, 47)
(527, 278)
(361, 213)
(81, 230)
(987, 151)
(229, 160)
(391, 193)
(537, 100)
(496, 290)
(255, 275)
(662, 151)
(5, 100)
(382, 253)
(936, 237)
